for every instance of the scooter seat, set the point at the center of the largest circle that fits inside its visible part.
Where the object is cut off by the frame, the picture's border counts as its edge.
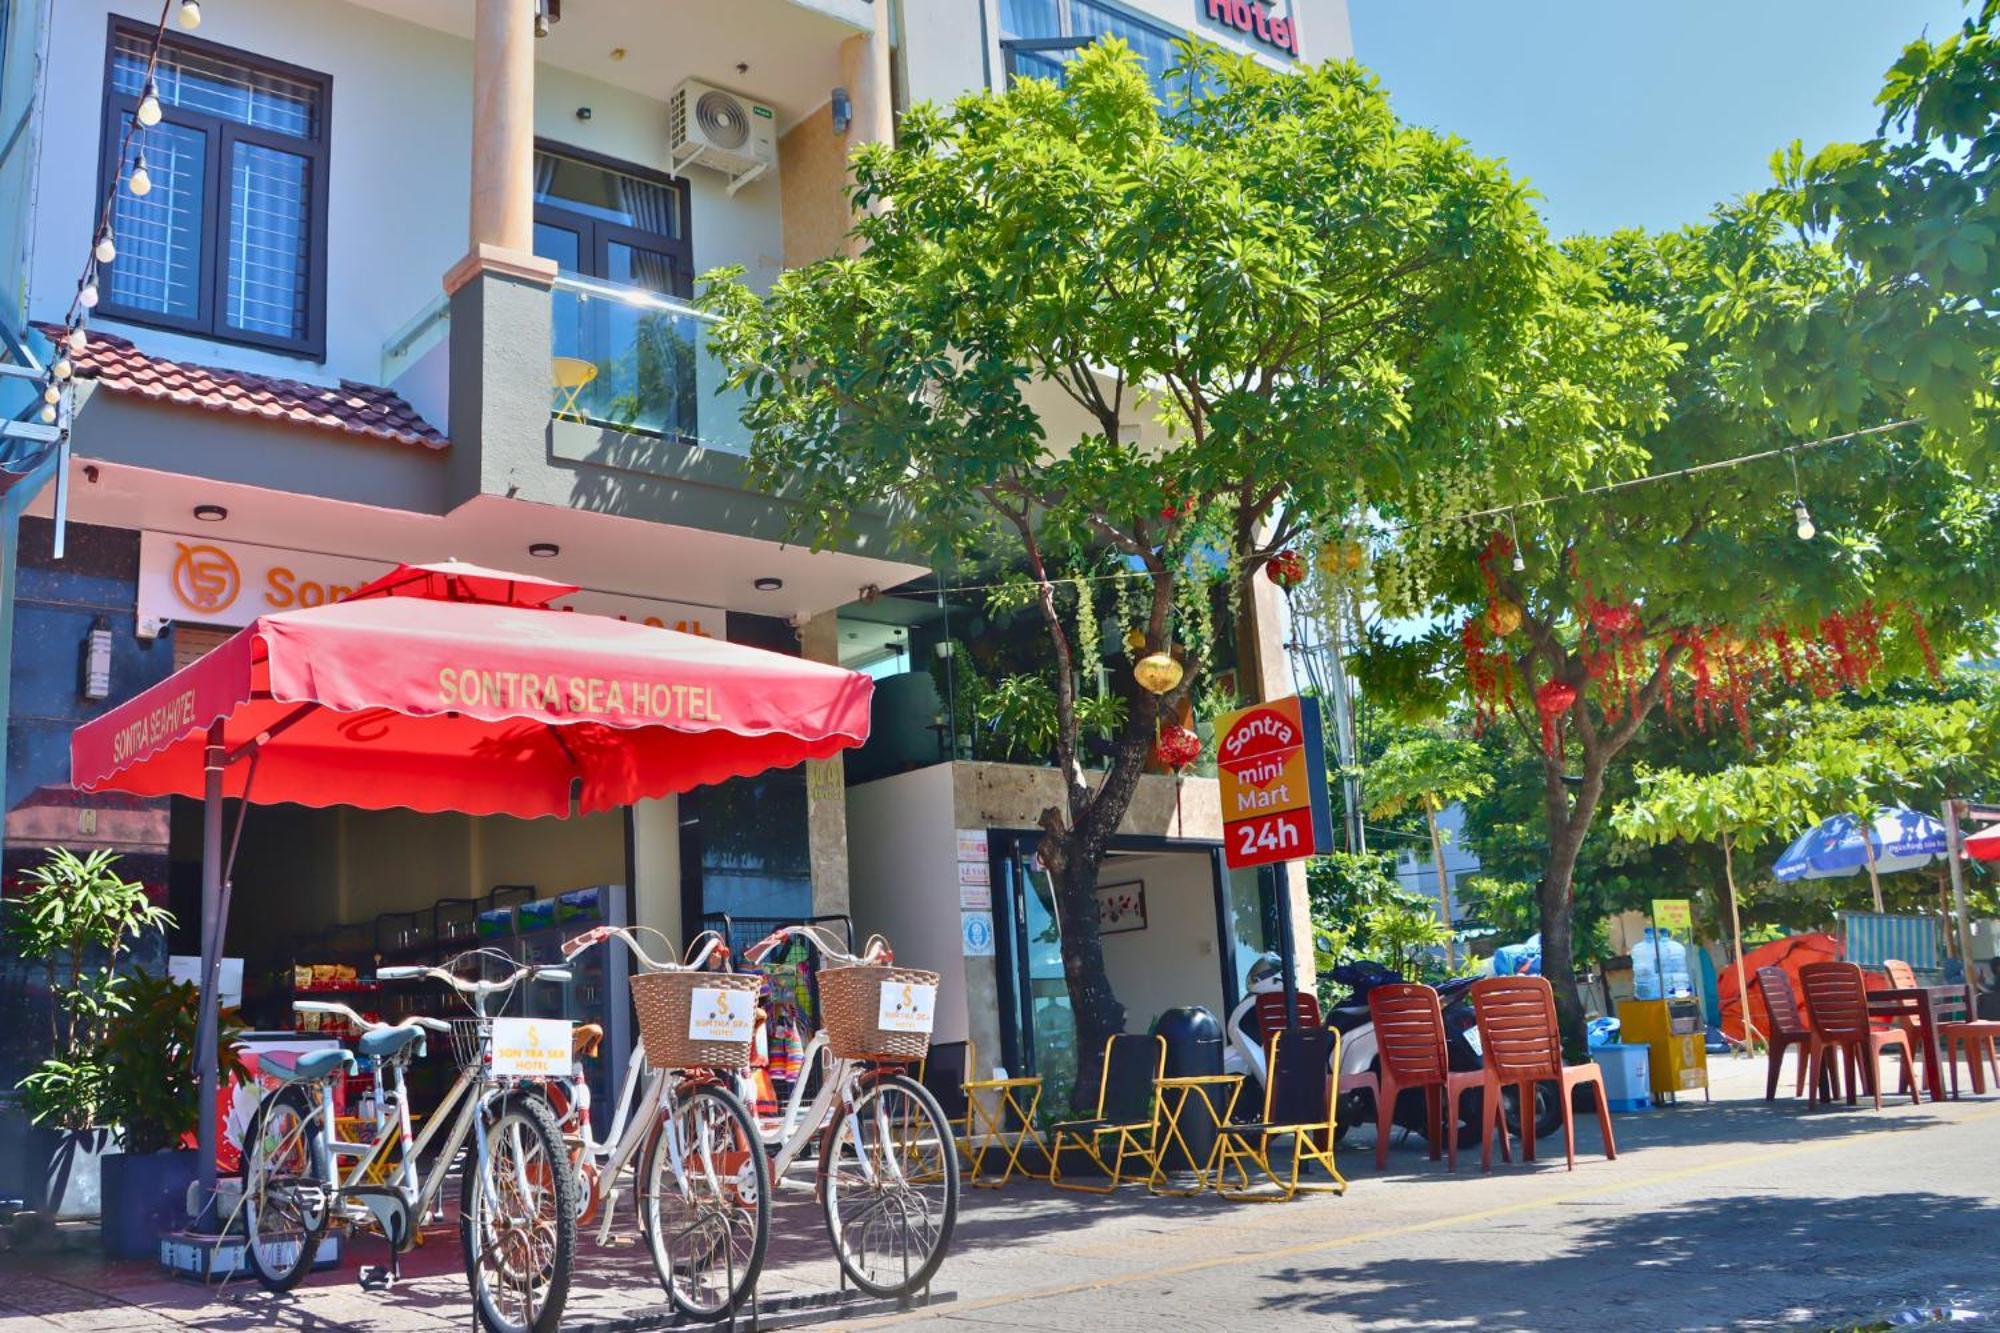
(308, 1066)
(382, 1043)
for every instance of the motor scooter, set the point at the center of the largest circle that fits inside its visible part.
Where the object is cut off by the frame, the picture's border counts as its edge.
(1244, 1052)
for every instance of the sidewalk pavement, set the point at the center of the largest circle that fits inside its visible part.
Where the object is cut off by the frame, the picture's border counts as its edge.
(1727, 1214)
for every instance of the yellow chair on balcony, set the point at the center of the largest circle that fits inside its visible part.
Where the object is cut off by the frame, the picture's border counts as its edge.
(572, 375)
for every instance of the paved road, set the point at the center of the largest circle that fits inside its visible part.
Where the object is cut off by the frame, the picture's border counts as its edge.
(1728, 1215)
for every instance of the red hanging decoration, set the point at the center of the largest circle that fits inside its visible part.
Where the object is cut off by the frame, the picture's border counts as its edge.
(1923, 636)
(1287, 569)
(1553, 698)
(1488, 671)
(1177, 746)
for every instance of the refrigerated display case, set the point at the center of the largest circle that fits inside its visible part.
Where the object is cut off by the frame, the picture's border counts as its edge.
(597, 991)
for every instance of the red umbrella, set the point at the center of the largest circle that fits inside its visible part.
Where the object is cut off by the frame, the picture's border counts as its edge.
(451, 687)
(1984, 845)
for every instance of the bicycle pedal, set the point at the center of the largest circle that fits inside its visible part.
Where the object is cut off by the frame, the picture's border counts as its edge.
(375, 1278)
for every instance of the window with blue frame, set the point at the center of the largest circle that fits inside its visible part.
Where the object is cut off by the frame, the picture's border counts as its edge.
(1040, 37)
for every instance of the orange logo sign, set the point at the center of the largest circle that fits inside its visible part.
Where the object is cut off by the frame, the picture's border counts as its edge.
(205, 579)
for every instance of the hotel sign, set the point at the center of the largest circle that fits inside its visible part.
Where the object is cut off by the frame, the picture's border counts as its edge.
(1272, 765)
(203, 581)
(1258, 19)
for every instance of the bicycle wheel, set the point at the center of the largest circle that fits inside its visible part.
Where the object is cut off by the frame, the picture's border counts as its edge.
(890, 1187)
(284, 1188)
(519, 1235)
(703, 1203)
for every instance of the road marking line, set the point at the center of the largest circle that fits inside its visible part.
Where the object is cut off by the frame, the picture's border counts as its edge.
(1413, 1228)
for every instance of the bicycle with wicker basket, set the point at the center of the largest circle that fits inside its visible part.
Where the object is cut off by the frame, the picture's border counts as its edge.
(699, 1201)
(883, 1159)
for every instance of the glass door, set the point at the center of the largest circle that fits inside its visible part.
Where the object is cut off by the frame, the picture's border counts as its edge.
(1039, 1030)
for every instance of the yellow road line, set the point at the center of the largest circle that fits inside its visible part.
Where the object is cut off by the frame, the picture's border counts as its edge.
(1414, 1228)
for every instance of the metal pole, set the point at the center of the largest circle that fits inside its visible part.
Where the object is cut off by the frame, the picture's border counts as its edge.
(213, 762)
(1287, 947)
(1954, 851)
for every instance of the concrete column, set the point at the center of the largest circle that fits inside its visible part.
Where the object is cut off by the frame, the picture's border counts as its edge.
(826, 788)
(1273, 680)
(865, 72)
(502, 234)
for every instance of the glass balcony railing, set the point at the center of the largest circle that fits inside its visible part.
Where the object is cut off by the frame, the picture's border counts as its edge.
(636, 361)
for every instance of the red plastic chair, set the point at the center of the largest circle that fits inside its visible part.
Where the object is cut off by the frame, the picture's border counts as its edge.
(1788, 1028)
(1837, 1007)
(1410, 1039)
(1523, 1047)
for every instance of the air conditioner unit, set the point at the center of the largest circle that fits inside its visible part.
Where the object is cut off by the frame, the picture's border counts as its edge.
(723, 131)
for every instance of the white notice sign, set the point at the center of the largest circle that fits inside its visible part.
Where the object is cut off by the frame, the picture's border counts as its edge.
(972, 844)
(906, 1007)
(975, 873)
(722, 1015)
(531, 1047)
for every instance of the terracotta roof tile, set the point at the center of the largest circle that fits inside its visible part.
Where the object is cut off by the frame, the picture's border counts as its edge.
(354, 409)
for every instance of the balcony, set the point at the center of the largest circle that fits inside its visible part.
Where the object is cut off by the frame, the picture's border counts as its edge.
(639, 363)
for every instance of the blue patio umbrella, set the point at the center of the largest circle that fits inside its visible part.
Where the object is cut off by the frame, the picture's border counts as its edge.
(1898, 838)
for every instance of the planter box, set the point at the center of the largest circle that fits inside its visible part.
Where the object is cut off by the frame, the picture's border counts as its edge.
(53, 1171)
(143, 1200)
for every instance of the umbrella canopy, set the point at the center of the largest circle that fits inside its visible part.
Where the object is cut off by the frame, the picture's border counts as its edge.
(1984, 845)
(454, 688)
(1901, 838)
(1790, 953)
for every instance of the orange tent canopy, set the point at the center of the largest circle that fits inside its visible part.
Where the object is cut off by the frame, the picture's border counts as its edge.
(1791, 953)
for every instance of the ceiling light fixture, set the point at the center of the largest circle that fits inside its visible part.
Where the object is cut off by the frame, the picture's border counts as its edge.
(210, 513)
(544, 550)
(768, 584)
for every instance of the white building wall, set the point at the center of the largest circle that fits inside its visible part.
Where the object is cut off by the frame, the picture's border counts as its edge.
(902, 841)
(399, 170)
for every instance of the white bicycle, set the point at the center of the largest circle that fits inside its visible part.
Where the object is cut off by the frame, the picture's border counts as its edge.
(517, 1197)
(884, 1161)
(699, 1200)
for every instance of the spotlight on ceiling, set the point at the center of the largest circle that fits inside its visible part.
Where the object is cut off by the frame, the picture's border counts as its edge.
(210, 513)
(768, 584)
(544, 550)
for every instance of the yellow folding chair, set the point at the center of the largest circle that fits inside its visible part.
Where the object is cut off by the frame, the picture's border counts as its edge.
(986, 1127)
(570, 376)
(1299, 1105)
(1133, 1063)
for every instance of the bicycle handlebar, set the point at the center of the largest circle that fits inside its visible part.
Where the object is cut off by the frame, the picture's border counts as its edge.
(875, 950)
(366, 1024)
(710, 942)
(525, 972)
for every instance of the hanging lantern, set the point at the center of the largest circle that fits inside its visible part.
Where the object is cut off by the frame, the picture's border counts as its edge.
(1552, 699)
(1287, 569)
(1337, 558)
(1177, 747)
(1614, 622)
(1503, 617)
(1135, 642)
(1156, 673)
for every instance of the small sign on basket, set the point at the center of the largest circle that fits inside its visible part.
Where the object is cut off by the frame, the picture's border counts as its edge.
(531, 1047)
(907, 1006)
(722, 1015)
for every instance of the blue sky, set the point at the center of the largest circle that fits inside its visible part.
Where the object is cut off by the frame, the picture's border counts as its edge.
(1639, 112)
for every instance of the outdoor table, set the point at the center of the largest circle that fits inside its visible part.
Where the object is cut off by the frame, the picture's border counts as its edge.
(995, 1133)
(1920, 1005)
(1169, 1104)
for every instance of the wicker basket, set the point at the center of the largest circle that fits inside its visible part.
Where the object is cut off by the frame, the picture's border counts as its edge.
(665, 1002)
(851, 1004)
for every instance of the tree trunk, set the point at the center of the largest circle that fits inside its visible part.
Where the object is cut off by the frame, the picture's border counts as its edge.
(1569, 820)
(1444, 891)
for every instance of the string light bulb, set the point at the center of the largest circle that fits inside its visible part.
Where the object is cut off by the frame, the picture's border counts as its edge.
(141, 180)
(106, 249)
(86, 295)
(62, 368)
(51, 394)
(48, 415)
(1800, 513)
(190, 14)
(149, 105)
(78, 341)
(1520, 565)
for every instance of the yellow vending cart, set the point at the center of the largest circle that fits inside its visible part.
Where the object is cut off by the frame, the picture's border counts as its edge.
(1672, 1031)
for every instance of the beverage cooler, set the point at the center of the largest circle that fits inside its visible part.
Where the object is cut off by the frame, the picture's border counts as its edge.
(534, 932)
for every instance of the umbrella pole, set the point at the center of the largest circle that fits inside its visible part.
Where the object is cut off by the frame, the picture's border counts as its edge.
(1954, 853)
(1736, 943)
(213, 763)
(1868, 850)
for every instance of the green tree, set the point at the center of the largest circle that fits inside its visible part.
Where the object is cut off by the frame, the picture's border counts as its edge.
(1429, 773)
(1360, 911)
(1694, 592)
(1139, 339)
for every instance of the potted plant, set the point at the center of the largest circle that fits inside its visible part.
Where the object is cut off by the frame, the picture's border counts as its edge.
(150, 1092)
(80, 920)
